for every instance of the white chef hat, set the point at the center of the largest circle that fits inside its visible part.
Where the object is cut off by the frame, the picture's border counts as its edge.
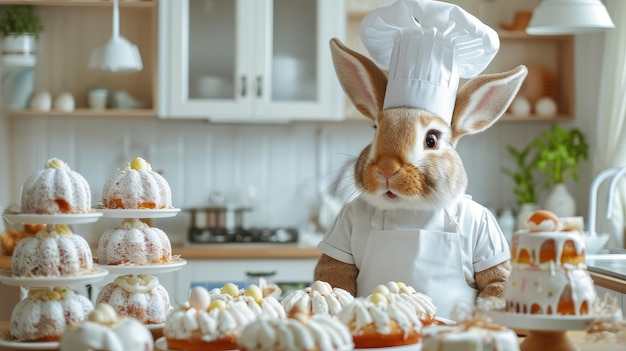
(427, 45)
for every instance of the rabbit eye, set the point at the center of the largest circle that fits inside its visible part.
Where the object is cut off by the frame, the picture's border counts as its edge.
(431, 140)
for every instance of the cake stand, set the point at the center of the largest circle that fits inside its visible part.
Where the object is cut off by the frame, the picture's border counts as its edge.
(123, 213)
(544, 332)
(29, 218)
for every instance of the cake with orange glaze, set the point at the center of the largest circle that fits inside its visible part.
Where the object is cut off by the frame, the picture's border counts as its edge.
(133, 241)
(56, 189)
(548, 269)
(50, 253)
(138, 296)
(45, 313)
(205, 323)
(137, 186)
(381, 320)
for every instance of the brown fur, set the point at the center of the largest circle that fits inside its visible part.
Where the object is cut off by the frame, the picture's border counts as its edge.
(336, 273)
(479, 104)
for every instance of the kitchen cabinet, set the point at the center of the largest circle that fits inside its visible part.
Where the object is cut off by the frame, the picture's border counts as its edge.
(551, 57)
(217, 272)
(249, 60)
(72, 29)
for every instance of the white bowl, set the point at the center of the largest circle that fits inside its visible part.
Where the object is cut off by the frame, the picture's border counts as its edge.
(596, 242)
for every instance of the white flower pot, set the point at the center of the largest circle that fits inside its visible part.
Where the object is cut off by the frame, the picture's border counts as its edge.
(19, 44)
(560, 201)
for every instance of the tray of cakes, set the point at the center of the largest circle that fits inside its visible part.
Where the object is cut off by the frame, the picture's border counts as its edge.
(52, 260)
(135, 250)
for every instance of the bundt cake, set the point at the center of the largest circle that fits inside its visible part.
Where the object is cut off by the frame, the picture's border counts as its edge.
(56, 189)
(137, 186)
(204, 323)
(137, 296)
(319, 298)
(45, 313)
(57, 252)
(548, 270)
(104, 330)
(134, 242)
(299, 331)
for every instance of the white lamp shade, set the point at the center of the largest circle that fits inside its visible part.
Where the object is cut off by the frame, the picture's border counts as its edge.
(117, 55)
(557, 17)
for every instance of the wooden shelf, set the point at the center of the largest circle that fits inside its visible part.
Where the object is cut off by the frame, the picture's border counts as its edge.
(536, 118)
(88, 113)
(94, 3)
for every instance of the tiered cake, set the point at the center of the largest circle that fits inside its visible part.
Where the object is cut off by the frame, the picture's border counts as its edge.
(54, 258)
(135, 249)
(549, 275)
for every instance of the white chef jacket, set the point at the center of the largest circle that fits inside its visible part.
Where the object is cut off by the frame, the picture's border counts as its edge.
(481, 241)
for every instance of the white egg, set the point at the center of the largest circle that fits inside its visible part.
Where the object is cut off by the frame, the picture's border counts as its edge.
(64, 102)
(199, 298)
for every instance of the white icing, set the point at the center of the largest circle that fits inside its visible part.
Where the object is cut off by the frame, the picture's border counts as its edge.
(363, 312)
(106, 331)
(134, 242)
(321, 332)
(51, 255)
(138, 284)
(422, 304)
(134, 187)
(532, 243)
(46, 188)
(445, 338)
(316, 302)
(211, 325)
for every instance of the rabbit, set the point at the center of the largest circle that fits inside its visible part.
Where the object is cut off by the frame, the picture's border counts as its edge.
(412, 168)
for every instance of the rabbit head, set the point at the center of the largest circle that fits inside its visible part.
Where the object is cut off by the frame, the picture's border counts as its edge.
(412, 162)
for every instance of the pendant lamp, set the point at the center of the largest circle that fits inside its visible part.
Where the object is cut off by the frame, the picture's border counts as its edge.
(558, 17)
(118, 54)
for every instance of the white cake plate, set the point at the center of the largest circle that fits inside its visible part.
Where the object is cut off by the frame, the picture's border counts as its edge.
(22, 345)
(6, 277)
(124, 269)
(544, 332)
(21, 218)
(121, 213)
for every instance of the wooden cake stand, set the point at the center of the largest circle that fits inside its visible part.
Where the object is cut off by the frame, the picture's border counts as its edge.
(544, 332)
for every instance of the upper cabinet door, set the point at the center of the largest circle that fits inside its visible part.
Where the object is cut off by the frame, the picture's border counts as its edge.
(249, 60)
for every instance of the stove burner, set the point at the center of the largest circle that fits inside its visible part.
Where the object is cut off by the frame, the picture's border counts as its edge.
(240, 235)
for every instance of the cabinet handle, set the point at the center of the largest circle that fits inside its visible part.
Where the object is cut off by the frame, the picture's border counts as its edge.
(243, 86)
(260, 274)
(259, 86)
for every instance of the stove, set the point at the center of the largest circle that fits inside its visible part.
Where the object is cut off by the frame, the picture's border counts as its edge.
(241, 235)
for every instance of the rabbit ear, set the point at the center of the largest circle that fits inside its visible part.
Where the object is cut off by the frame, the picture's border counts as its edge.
(361, 79)
(483, 100)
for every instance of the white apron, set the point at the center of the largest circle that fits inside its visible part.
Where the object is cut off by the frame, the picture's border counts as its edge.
(430, 261)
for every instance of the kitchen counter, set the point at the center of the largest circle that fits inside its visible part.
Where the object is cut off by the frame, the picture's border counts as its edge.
(229, 251)
(246, 251)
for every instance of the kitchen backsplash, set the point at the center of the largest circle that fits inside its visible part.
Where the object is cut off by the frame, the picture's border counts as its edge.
(278, 169)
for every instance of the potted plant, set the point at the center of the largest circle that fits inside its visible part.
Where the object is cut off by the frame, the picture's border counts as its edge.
(524, 181)
(559, 152)
(20, 26)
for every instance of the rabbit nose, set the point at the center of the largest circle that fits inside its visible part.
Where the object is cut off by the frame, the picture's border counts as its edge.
(388, 167)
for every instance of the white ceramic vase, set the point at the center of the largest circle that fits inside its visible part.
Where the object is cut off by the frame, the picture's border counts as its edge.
(21, 44)
(560, 201)
(525, 211)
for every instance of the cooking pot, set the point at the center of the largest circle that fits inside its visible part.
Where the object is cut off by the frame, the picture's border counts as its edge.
(220, 217)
